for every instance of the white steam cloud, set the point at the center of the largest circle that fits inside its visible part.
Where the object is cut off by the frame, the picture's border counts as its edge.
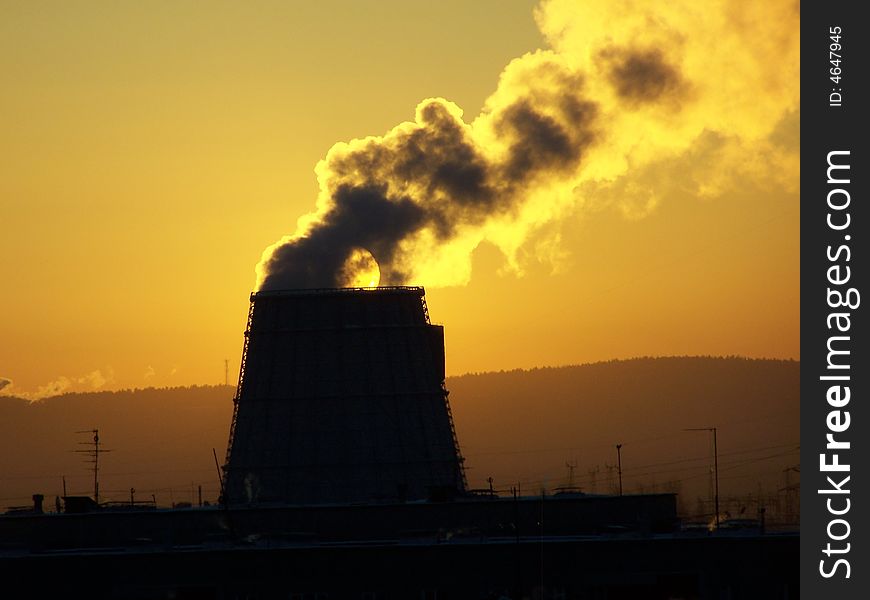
(625, 90)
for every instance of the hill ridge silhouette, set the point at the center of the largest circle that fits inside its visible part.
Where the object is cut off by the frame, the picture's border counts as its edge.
(521, 425)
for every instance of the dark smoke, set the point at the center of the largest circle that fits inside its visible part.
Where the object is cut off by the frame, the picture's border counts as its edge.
(642, 76)
(362, 217)
(434, 178)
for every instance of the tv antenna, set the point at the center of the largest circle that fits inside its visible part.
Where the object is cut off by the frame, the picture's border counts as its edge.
(93, 457)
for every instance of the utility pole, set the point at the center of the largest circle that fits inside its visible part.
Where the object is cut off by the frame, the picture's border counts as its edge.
(716, 474)
(220, 476)
(94, 456)
(715, 469)
(226, 371)
(790, 490)
(571, 467)
(619, 466)
(593, 478)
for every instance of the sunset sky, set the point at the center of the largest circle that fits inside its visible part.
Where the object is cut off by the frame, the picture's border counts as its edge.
(150, 152)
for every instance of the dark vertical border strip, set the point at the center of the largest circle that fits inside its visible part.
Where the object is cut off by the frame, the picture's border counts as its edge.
(834, 226)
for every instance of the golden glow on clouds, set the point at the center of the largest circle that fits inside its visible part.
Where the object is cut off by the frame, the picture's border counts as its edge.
(632, 86)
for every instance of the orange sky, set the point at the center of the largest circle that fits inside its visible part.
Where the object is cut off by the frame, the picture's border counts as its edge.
(150, 152)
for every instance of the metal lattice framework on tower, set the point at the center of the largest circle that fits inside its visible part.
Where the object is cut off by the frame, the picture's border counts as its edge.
(341, 398)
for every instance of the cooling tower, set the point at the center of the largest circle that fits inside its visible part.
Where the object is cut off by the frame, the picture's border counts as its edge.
(341, 399)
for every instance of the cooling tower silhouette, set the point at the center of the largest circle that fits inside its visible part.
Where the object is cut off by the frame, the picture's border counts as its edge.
(341, 398)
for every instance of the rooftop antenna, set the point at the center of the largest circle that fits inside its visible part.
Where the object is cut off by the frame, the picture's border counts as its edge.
(93, 454)
(226, 371)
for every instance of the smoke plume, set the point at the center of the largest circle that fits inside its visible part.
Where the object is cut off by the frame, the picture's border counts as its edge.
(624, 88)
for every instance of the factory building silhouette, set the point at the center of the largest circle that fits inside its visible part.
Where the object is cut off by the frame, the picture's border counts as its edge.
(344, 480)
(341, 399)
